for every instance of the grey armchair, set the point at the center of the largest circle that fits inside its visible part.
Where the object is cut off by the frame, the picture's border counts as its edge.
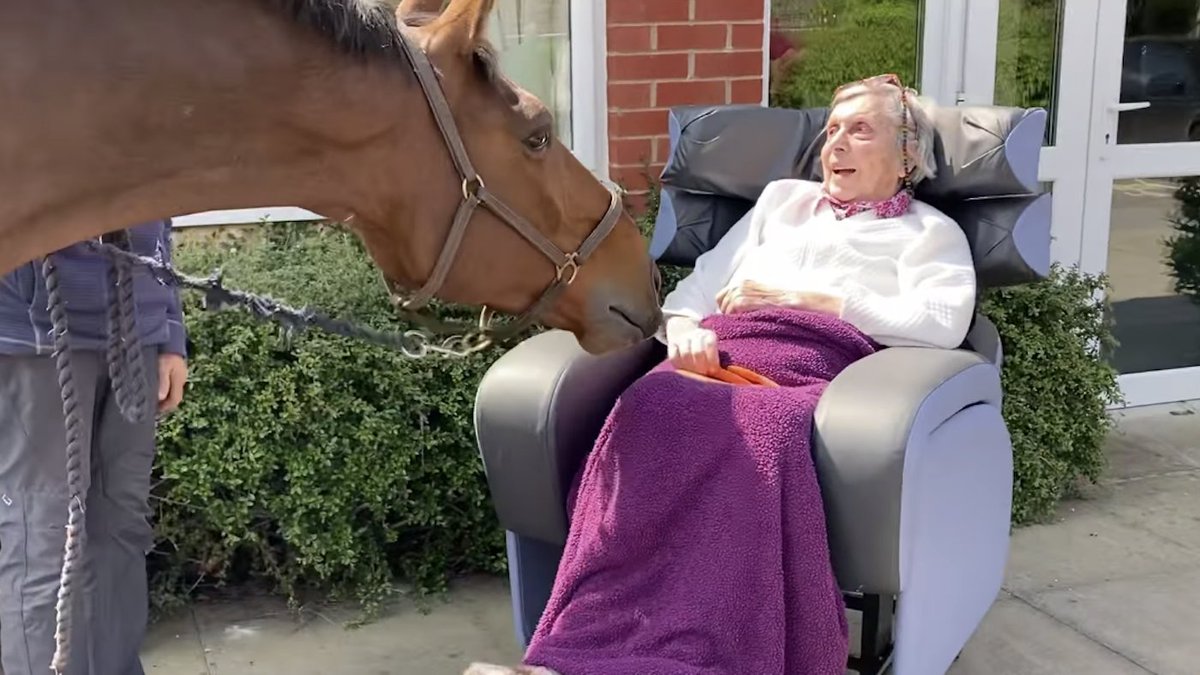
(913, 456)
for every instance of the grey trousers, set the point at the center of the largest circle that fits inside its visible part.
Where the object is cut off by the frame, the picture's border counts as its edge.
(110, 600)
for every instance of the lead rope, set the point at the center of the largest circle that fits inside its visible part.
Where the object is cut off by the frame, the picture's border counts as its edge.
(126, 368)
(127, 372)
(70, 399)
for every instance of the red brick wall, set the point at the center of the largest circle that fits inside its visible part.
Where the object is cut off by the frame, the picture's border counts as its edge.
(664, 53)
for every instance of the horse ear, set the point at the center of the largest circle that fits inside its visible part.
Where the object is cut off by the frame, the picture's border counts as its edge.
(410, 7)
(464, 23)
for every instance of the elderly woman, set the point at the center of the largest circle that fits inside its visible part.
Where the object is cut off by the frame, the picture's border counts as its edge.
(858, 246)
(697, 541)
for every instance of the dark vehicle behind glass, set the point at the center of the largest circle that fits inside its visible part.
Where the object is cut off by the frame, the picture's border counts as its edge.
(1164, 72)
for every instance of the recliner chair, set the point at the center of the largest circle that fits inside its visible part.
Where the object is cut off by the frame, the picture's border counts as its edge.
(912, 453)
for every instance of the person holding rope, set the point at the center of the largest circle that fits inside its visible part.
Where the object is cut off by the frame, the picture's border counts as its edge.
(109, 593)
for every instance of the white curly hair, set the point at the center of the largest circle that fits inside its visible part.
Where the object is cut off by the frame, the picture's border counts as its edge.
(908, 110)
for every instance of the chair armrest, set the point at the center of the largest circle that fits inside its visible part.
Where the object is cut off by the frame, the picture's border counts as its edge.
(538, 412)
(869, 420)
(984, 339)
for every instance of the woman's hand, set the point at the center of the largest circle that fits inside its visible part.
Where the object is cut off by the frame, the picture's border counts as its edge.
(692, 348)
(817, 302)
(750, 296)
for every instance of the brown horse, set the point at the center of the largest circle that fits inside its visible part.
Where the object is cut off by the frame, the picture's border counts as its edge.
(124, 111)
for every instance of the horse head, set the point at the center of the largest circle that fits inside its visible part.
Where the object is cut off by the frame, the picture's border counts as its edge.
(498, 257)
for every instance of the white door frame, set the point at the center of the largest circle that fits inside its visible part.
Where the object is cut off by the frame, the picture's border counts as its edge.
(1109, 161)
(589, 106)
(976, 23)
(1080, 165)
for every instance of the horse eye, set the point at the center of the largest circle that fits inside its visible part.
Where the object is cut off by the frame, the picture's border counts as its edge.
(538, 141)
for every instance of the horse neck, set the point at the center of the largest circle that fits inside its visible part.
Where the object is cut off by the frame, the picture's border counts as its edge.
(156, 108)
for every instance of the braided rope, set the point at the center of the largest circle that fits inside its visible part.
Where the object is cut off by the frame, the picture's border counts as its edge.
(126, 368)
(75, 491)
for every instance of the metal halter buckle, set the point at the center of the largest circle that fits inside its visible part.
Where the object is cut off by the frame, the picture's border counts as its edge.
(568, 270)
(471, 187)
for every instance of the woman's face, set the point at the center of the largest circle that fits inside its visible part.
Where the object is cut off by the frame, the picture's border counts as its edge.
(861, 158)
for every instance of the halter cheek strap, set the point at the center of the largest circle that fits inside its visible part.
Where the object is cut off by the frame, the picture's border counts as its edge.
(475, 194)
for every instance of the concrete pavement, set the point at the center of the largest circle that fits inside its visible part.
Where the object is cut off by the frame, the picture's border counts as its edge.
(1109, 587)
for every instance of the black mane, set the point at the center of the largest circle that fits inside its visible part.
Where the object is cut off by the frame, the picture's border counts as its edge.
(362, 28)
(368, 29)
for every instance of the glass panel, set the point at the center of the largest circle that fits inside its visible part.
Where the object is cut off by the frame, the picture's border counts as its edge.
(534, 41)
(1161, 66)
(1028, 48)
(818, 45)
(1154, 268)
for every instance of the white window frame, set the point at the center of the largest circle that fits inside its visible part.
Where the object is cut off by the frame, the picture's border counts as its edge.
(766, 53)
(589, 124)
(589, 84)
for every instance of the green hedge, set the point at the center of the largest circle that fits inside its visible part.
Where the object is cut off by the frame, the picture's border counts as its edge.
(1057, 386)
(321, 462)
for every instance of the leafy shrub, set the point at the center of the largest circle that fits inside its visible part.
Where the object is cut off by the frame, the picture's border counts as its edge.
(1057, 384)
(322, 462)
(1183, 247)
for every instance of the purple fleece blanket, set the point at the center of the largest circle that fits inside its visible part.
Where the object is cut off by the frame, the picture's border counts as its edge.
(697, 541)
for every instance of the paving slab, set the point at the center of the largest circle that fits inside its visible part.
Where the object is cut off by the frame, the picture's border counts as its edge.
(1167, 506)
(1150, 620)
(261, 636)
(1140, 452)
(1086, 543)
(1018, 639)
(172, 647)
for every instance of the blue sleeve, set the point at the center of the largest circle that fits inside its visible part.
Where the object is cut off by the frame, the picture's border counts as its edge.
(177, 331)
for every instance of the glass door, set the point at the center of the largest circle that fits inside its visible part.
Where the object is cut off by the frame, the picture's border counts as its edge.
(1121, 80)
(1039, 53)
(1141, 217)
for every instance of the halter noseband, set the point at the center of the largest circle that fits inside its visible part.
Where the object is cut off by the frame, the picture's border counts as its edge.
(475, 193)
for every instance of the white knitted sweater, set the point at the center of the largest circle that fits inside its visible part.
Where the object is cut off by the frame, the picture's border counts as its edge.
(906, 281)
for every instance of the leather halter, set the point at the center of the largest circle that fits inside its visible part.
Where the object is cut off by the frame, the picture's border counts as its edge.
(475, 194)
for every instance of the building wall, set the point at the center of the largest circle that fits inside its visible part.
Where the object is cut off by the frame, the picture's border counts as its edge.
(664, 53)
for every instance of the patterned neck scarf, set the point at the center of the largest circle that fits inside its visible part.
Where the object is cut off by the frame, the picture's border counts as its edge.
(892, 207)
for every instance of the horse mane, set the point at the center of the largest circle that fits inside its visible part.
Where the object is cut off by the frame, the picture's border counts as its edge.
(360, 28)
(367, 28)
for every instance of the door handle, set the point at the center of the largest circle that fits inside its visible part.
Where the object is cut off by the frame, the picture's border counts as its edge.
(1132, 105)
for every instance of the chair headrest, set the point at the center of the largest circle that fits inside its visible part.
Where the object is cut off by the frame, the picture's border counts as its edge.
(722, 157)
